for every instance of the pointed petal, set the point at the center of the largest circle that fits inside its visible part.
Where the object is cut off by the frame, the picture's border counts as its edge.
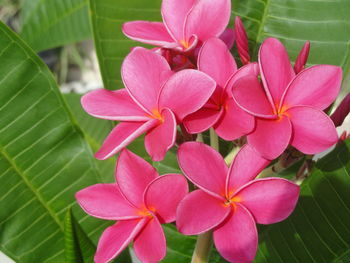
(276, 70)
(302, 58)
(144, 72)
(216, 60)
(163, 194)
(150, 244)
(317, 86)
(133, 174)
(204, 167)
(160, 139)
(228, 36)
(207, 18)
(245, 167)
(242, 41)
(251, 97)
(195, 88)
(122, 135)
(105, 201)
(271, 137)
(199, 212)
(153, 33)
(201, 120)
(112, 105)
(237, 238)
(116, 238)
(313, 130)
(270, 200)
(234, 123)
(342, 111)
(174, 13)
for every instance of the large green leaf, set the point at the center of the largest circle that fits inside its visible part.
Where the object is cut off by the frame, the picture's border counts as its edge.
(325, 23)
(44, 159)
(318, 230)
(111, 45)
(51, 23)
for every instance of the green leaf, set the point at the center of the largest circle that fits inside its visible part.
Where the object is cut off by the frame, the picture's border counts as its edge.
(95, 131)
(179, 247)
(77, 243)
(52, 23)
(44, 159)
(318, 230)
(111, 45)
(324, 23)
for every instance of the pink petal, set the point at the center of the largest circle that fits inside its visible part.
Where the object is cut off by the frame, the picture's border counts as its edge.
(201, 120)
(174, 13)
(275, 67)
(105, 201)
(242, 41)
(150, 244)
(234, 123)
(204, 167)
(228, 36)
(163, 194)
(270, 200)
(144, 72)
(216, 60)
(153, 33)
(116, 238)
(122, 135)
(112, 105)
(342, 111)
(245, 167)
(199, 212)
(271, 137)
(251, 97)
(207, 18)
(313, 130)
(317, 86)
(160, 139)
(186, 92)
(302, 58)
(133, 174)
(237, 238)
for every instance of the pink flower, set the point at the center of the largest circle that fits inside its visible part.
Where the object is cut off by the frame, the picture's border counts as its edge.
(185, 24)
(288, 107)
(154, 102)
(221, 111)
(242, 41)
(229, 201)
(141, 201)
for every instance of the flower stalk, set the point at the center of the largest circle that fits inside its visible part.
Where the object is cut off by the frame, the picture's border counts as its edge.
(203, 246)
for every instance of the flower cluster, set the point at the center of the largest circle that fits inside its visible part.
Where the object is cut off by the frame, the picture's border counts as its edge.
(191, 81)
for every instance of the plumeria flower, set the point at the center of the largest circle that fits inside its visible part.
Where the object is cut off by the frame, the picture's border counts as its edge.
(154, 102)
(186, 23)
(221, 111)
(141, 201)
(230, 201)
(288, 107)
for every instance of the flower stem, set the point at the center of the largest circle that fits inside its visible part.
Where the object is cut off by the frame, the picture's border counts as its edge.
(214, 139)
(203, 247)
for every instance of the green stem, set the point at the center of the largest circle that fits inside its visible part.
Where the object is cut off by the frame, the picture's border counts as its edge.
(200, 138)
(229, 158)
(202, 249)
(214, 139)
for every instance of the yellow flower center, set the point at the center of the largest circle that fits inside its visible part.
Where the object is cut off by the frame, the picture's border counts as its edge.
(157, 115)
(185, 44)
